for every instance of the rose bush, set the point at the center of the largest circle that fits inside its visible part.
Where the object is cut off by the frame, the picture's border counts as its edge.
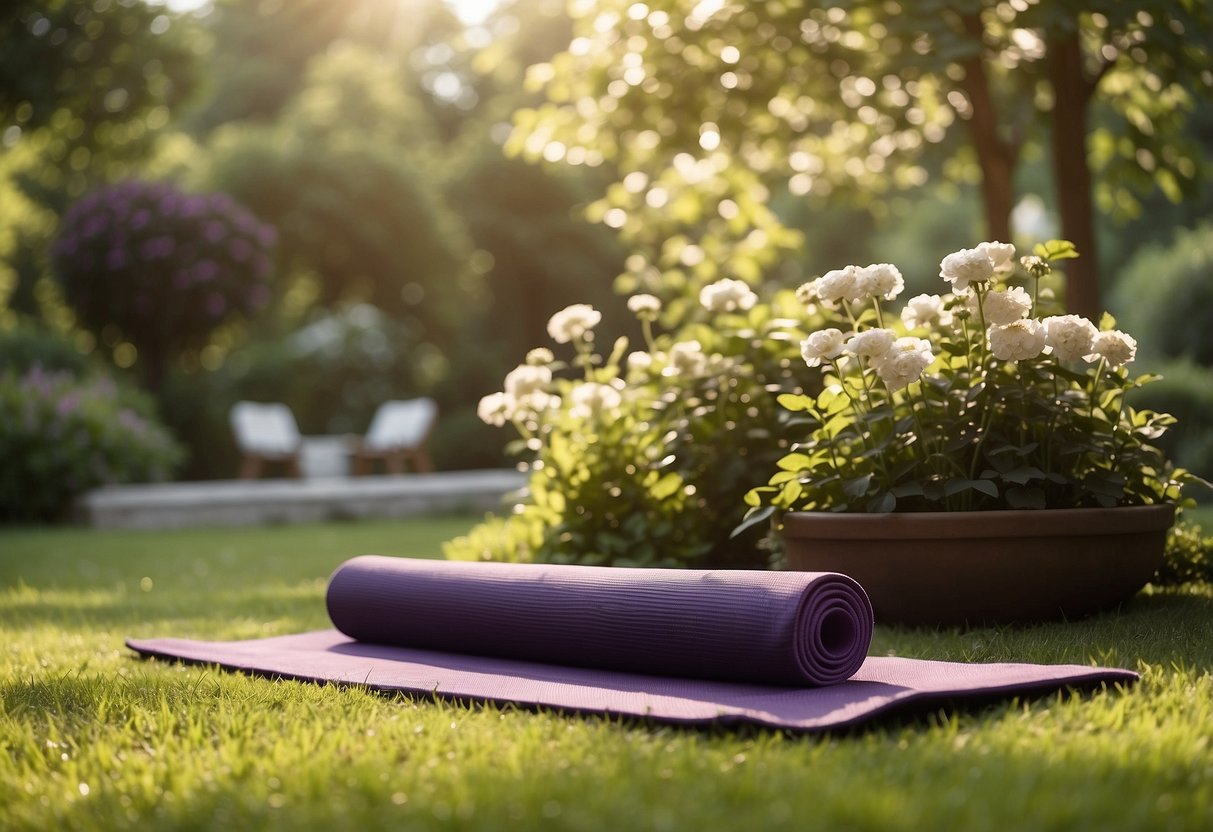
(979, 400)
(641, 456)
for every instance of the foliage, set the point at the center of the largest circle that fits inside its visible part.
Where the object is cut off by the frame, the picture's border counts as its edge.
(26, 346)
(360, 220)
(992, 409)
(709, 109)
(60, 436)
(163, 267)
(89, 84)
(643, 460)
(158, 745)
(1185, 390)
(1166, 294)
(1188, 557)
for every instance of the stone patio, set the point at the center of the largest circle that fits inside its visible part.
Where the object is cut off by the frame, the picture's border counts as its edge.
(261, 502)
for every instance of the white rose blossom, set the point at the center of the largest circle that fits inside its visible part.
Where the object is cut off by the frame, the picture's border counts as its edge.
(904, 362)
(1002, 256)
(590, 398)
(822, 346)
(639, 361)
(841, 284)
(1018, 340)
(922, 310)
(727, 295)
(871, 343)
(1003, 307)
(969, 265)
(881, 280)
(1069, 336)
(495, 409)
(527, 378)
(645, 307)
(686, 358)
(540, 357)
(1113, 346)
(573, 322)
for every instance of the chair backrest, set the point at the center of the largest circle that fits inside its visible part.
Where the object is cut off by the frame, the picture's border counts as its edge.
(265, 428)
(401, 424)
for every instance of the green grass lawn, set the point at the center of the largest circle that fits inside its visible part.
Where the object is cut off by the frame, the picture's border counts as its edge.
(93, 738)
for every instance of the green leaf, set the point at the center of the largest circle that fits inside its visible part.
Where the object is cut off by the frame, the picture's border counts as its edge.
(753, 518)
(1025, 497)
(795, 462)
(1056, 250)
(857, 486)
(794, 402)
(886, 502)
(1024, 474)
(667, 486)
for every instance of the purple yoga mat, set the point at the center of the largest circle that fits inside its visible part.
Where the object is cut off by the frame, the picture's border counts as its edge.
(780, 628)
(676, 646)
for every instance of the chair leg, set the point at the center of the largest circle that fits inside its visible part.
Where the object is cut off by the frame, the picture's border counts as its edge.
(293, 469)
(422, 461)
(250, 468)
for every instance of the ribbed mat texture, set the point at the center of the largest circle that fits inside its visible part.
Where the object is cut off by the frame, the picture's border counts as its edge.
(779, 649)
(780, 628)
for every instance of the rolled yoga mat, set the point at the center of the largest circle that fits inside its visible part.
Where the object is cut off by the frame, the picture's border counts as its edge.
(778, 628)
(780, 649)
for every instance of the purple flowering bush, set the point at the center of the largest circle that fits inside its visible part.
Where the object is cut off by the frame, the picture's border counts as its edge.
(163, 266)
(61, 435)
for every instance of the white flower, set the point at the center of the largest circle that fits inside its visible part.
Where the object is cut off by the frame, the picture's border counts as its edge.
(969, 265)
(536, 402)
(590, 398)
(1001, 308)
(573, 322)
(1069, 336)
(639, 361)
(841, 284)
(821, 346)
(872, 343)
(904, 362)
(1018, 340)
(727, 295)
(540, 357)
(495, 409)
(1114, 347)
(686, 358)
(921, 310)
(881, 280)
(644, 307)
(806, 293)
(525, 379)
(1002, 256)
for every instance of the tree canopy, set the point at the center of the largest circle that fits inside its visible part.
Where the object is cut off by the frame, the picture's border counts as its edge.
(710, 110)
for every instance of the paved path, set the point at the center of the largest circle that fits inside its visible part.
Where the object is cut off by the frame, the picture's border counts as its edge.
(259, 502)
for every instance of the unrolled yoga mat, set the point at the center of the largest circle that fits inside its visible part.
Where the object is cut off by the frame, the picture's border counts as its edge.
(782, 649)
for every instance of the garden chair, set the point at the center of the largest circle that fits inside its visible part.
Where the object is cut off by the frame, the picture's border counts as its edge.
(266, 433)
(398, 435)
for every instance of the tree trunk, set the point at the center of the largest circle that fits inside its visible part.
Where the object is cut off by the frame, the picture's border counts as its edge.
(996, 157)
(1072, 174)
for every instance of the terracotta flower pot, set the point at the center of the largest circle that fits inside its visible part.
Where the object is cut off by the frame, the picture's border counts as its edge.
(985, 566)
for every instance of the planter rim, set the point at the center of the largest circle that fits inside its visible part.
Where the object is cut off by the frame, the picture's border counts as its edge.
(1026, 523)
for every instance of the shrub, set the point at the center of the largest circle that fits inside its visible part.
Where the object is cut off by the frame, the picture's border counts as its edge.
(643, 461)
(60, 436)
(1188, 557)
(1165, 295)
(162, 266)
(26, 347)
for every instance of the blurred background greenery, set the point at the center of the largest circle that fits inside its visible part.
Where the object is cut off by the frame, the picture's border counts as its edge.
(442, 177)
